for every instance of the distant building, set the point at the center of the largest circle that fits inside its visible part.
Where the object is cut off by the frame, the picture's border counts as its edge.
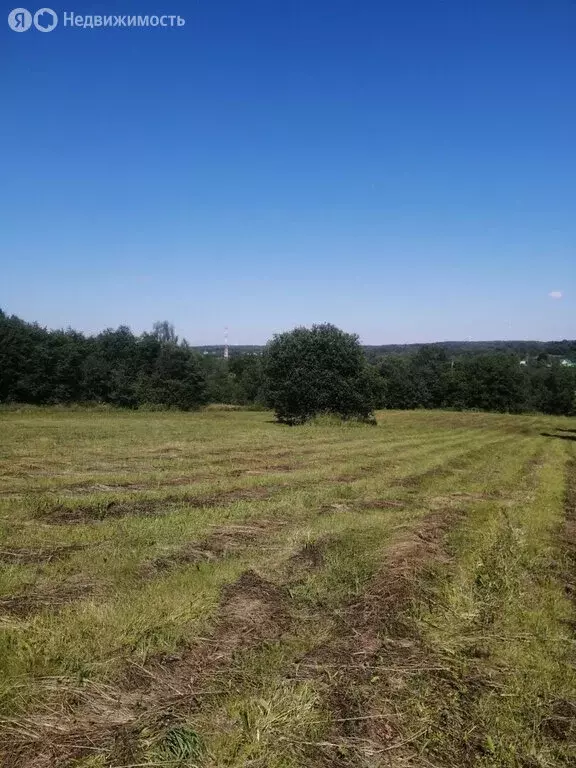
(564, 361)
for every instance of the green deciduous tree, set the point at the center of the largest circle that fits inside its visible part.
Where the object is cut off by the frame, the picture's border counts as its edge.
(554, 390)
(310, 371)
(493, 382)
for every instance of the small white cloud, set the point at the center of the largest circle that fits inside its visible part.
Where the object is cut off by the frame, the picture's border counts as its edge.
(555, 294)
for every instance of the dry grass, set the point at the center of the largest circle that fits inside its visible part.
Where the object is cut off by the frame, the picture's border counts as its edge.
(213, 589)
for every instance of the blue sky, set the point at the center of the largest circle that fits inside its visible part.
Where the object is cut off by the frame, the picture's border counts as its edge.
(405, 170)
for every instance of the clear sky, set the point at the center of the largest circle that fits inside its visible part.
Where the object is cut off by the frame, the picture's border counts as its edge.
(405, 170)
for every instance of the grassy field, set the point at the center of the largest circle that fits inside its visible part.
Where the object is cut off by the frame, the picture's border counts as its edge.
(213, 589)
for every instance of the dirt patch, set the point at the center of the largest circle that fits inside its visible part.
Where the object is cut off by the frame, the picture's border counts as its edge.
(252, 605)
(22, 556)
(29, 603)
(62, 514)
(310, 557)
(560, 723)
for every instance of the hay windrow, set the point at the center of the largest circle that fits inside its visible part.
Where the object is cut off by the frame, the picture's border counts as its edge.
(50, 599)
(62, 514)
(27, 556)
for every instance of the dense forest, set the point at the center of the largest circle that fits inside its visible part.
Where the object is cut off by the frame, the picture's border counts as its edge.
(158, 370)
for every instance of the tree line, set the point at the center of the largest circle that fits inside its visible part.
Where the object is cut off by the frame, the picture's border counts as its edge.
(299, 373)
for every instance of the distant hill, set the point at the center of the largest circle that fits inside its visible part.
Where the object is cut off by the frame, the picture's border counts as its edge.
(564, 348)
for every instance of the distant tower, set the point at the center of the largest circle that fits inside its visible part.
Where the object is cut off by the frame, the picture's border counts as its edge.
(226, 343)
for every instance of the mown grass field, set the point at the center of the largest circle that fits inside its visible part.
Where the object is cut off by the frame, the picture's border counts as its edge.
(213, 589)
